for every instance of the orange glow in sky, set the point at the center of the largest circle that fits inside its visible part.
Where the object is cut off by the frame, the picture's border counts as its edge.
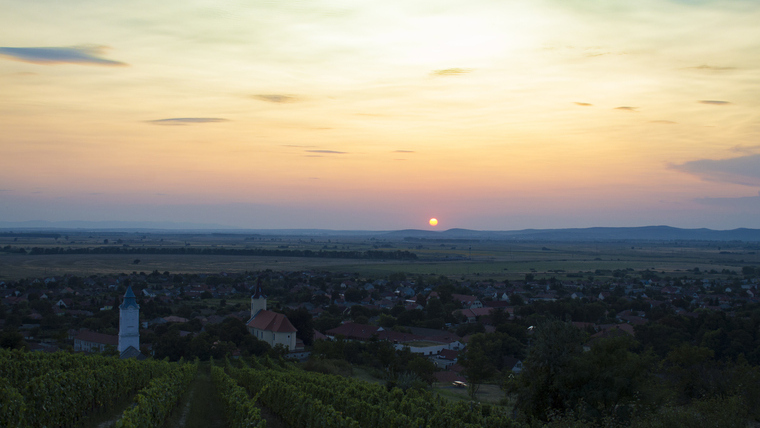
(337, 114)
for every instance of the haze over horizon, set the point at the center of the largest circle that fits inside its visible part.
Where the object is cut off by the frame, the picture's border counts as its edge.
(488, 115)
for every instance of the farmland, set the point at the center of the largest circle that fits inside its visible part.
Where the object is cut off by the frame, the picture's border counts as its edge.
(461, 259)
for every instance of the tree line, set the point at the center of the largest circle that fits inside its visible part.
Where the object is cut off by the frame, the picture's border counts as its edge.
(344, 254)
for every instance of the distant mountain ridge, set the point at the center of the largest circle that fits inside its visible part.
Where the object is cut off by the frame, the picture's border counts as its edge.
(644, 233)
(109, 225)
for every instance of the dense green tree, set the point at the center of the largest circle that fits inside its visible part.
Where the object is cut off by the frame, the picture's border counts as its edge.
(354, 294)
(11, 339)
(611, 380)
(435, 309)
(304, 323)
(478, 363)
(326, 322)
(540, 387)
(386, 321)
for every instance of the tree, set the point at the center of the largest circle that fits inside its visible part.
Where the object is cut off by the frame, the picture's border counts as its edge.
(610, 380)
(354, 294)
(477, 363)
(540, 387)
(12, 340)
(435, 309)
(516, 300)
(304, 323)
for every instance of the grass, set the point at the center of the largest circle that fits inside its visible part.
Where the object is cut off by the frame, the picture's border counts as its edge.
(364, 374)
(490, 394)
(106, 417)
(498, 260)
(200, 407)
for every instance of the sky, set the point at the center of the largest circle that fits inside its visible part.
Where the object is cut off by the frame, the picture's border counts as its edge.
(338, 114)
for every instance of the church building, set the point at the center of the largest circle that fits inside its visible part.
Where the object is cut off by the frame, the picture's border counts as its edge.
(271, 327)
(129, 326)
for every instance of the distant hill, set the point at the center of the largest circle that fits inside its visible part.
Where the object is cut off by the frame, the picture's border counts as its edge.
(647, 233)
(591, 234)
(109, 225)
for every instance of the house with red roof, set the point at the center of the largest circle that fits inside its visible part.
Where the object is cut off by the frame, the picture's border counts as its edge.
(90, 341)
(353, 331)
(270, 327)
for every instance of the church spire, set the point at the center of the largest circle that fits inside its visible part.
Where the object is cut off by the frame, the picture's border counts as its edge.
(257, 293)
(129, 299)
(258, 300)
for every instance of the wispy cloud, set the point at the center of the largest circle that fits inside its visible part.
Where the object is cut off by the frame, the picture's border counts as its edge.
(275, 98)
(710, 68)
(746, 149)
(186, 120)
(626, 108)
(743, 170)
(745, 202)
(451, 72)
(85, 55)
(329, 152)
(583, 104)
(663, 122)
(714, 102)
(404, 151)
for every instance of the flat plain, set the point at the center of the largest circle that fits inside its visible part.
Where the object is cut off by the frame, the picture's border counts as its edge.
(460, 259)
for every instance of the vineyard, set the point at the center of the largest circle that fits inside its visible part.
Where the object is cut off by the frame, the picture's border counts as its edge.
(62, 389)
(333, 401)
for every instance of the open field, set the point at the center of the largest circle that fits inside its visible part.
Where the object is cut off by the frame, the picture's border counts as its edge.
(487, 393)
(471, 260)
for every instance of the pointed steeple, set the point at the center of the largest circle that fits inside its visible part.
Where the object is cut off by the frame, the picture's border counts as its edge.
(129, 299)
(257, 293)
(258, 300)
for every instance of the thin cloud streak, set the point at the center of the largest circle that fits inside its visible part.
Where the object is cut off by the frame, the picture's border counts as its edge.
(744, 170)
(742, 202)
(85, 55)
(451, 72)
(330, 152)
(275, 98)
(179, 121)
(710, 68)
(714, 102)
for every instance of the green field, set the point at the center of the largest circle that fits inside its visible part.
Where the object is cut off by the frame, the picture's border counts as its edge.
(475, 260)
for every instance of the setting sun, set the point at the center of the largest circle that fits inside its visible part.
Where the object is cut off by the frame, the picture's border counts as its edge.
(433, 221)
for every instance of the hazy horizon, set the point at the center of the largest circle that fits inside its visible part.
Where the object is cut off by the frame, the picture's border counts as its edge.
(328, 114)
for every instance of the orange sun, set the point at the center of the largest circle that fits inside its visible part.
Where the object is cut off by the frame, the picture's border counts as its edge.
(433, 221)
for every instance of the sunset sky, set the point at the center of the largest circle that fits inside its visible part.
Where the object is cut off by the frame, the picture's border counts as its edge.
(486, 114)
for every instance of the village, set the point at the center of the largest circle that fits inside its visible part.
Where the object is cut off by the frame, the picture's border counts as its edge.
(431, 316)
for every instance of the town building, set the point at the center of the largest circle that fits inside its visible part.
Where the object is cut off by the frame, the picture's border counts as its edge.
(90, 341)
(270, 327)
(129, 323)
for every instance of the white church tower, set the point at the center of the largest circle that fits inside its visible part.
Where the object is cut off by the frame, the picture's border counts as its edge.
(129, 322)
